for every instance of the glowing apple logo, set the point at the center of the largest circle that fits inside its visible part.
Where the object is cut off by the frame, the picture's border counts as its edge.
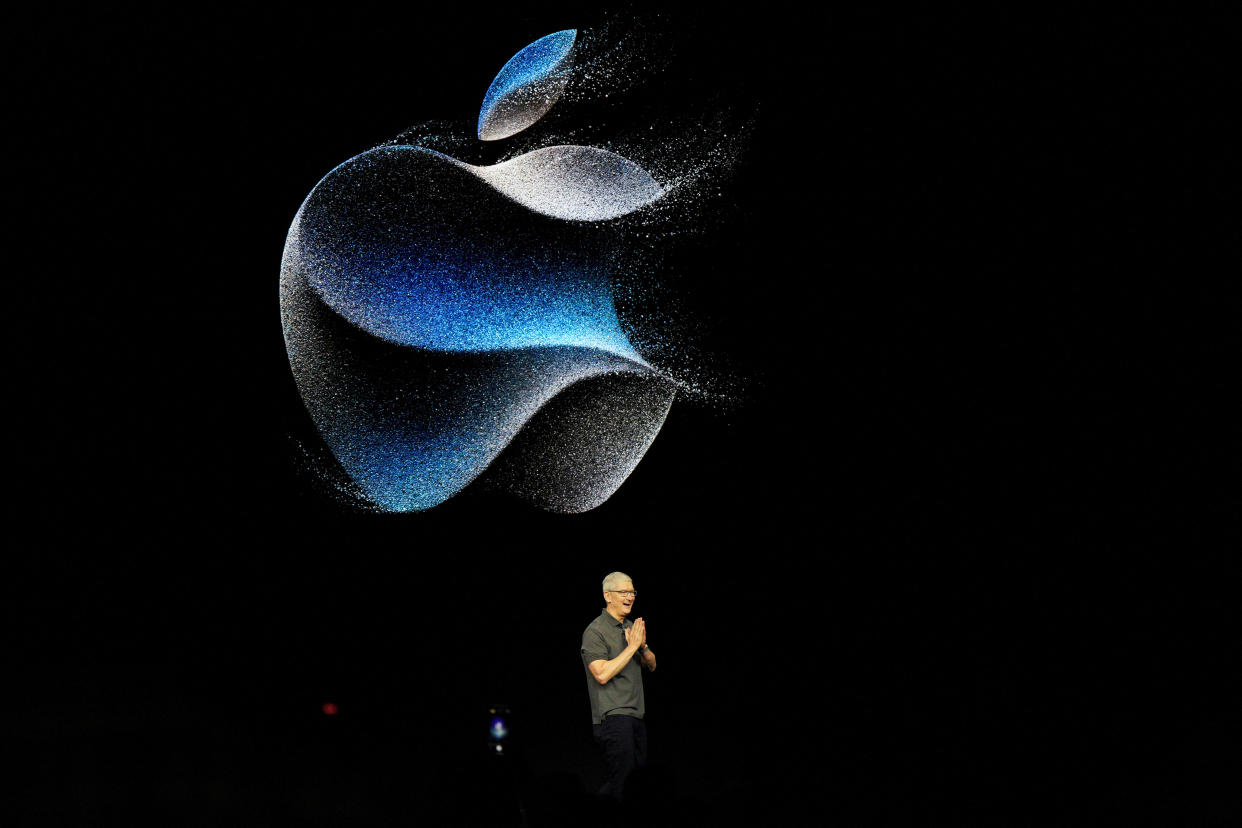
(445, 320)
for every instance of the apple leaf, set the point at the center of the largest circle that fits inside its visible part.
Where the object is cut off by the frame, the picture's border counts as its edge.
(527, 86)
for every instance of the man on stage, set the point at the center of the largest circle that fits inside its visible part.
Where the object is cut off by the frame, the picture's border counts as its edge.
(613, 647)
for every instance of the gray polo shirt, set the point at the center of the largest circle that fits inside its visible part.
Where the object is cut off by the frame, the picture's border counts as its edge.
(623, 694)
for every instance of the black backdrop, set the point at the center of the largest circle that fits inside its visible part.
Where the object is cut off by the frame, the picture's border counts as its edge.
(964, 554)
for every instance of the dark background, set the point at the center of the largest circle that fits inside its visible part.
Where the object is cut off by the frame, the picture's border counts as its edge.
(965, 554)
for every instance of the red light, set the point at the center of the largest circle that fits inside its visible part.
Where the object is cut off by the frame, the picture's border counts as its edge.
(329, 709)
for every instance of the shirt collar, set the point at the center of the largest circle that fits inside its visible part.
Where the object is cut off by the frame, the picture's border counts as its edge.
(608, 619)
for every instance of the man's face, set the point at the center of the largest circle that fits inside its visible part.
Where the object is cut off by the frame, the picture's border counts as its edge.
(621, 599)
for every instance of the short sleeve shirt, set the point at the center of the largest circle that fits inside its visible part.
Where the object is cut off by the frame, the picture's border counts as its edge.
(604, 638)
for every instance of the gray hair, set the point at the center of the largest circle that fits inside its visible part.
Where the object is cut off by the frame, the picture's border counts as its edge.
(614, 579)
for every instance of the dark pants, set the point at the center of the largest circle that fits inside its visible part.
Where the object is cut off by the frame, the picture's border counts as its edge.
(624, 742)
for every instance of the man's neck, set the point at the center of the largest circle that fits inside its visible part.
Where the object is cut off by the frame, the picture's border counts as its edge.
(611, 612)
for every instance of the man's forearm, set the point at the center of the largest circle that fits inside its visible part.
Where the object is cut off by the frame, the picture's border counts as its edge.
(646, 657)
(607, 669)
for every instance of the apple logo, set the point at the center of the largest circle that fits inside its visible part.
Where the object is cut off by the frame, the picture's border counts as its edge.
(447, 322)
